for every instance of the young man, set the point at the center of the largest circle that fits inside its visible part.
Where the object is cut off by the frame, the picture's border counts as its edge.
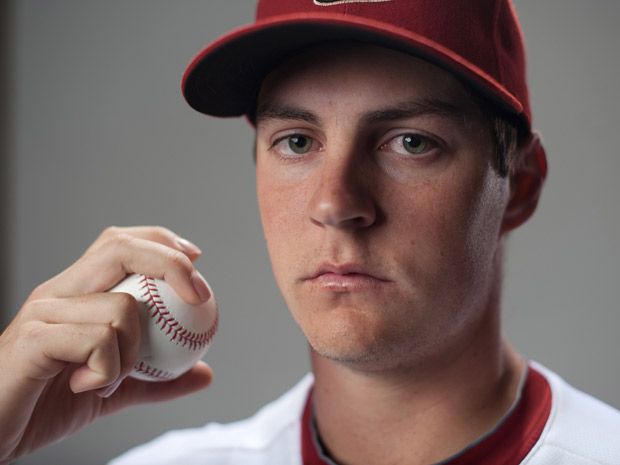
(394, 153)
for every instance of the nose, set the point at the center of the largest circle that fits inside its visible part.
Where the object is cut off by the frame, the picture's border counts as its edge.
(342, 196)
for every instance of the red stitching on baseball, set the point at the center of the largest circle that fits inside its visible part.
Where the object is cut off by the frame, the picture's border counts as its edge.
(147, 370)
(178, 334)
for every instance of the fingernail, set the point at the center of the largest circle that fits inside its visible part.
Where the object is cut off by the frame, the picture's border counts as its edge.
(200, 285)
(188, 246)
(80, 390)
(111, 389)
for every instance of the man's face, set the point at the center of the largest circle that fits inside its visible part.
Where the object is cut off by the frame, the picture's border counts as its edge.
(381, 208)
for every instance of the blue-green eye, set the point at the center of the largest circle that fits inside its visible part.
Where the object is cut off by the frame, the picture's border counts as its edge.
(294, 145)
(299, 144)
(410, 144)
(415, 143)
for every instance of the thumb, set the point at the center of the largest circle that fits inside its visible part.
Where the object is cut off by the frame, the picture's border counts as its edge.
(134, 392)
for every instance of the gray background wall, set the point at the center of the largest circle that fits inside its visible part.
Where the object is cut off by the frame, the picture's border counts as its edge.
(100, 135)
(4, 150)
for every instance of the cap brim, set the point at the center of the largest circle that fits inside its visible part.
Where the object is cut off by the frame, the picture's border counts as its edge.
(224, 78)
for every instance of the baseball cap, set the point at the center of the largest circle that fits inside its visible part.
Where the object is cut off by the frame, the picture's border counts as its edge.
(479, 41)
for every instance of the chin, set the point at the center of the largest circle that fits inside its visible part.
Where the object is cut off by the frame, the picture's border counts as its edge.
(359, 346)
(367, 360)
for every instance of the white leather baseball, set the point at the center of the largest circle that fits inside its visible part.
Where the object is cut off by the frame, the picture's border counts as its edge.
(175, 335)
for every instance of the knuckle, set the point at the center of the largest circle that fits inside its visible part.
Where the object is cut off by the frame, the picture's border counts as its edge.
(36, 308)
(106, 335)
(112, 236)
(126, 312)
(180, 261)
(39, 291)
(31, 331)
(163, 233)
(110, 231)
(124, 301)
(120, 240)
(123, 239)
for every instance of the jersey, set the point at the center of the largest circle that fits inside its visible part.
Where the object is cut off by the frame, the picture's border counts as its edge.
(551, 423)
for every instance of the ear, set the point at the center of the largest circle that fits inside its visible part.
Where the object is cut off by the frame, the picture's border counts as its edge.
(526, 182)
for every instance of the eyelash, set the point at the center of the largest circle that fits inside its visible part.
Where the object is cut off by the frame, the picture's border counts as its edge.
(427, 140)
(288, 137)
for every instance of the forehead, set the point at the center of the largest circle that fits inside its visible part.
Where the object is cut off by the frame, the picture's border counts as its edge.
(355, 76)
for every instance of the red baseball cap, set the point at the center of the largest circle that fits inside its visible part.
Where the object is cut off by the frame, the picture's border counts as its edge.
(479, 41)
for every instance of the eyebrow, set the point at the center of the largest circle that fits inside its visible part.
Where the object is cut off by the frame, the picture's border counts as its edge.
(274, 110)
(404, 110)
(416, 108)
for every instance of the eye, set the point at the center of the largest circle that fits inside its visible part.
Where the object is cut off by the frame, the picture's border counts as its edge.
(410, 144)
(416, 144)
(294, 144)
(299, 143)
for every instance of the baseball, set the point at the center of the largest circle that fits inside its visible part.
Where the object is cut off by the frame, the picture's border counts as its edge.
(175, 335)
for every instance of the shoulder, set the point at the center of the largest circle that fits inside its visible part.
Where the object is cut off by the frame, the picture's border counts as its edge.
(580, 428)
(271, 436)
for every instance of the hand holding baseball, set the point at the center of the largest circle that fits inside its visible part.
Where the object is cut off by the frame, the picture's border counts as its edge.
(174, 334)
(66, 356)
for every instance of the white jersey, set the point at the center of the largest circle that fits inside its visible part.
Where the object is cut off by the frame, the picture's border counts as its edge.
(552, 423)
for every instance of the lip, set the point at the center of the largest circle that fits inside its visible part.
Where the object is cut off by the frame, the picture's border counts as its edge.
(345, 277)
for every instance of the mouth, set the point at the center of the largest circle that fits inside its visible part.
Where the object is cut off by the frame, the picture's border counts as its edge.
(345, 277)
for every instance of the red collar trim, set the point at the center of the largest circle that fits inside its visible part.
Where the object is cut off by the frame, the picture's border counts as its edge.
(508, 444)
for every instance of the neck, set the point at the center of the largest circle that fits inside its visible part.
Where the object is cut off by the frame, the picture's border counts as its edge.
(423, 414)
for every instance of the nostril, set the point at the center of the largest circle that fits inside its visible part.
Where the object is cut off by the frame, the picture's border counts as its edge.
(343, 197)
(350, 211)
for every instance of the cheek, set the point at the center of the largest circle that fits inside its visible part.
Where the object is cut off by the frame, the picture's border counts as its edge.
(282, 216)
(454, 230)
(486, 215)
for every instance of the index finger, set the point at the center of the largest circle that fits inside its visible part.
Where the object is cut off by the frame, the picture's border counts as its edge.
(158, 234)
(103, 266)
